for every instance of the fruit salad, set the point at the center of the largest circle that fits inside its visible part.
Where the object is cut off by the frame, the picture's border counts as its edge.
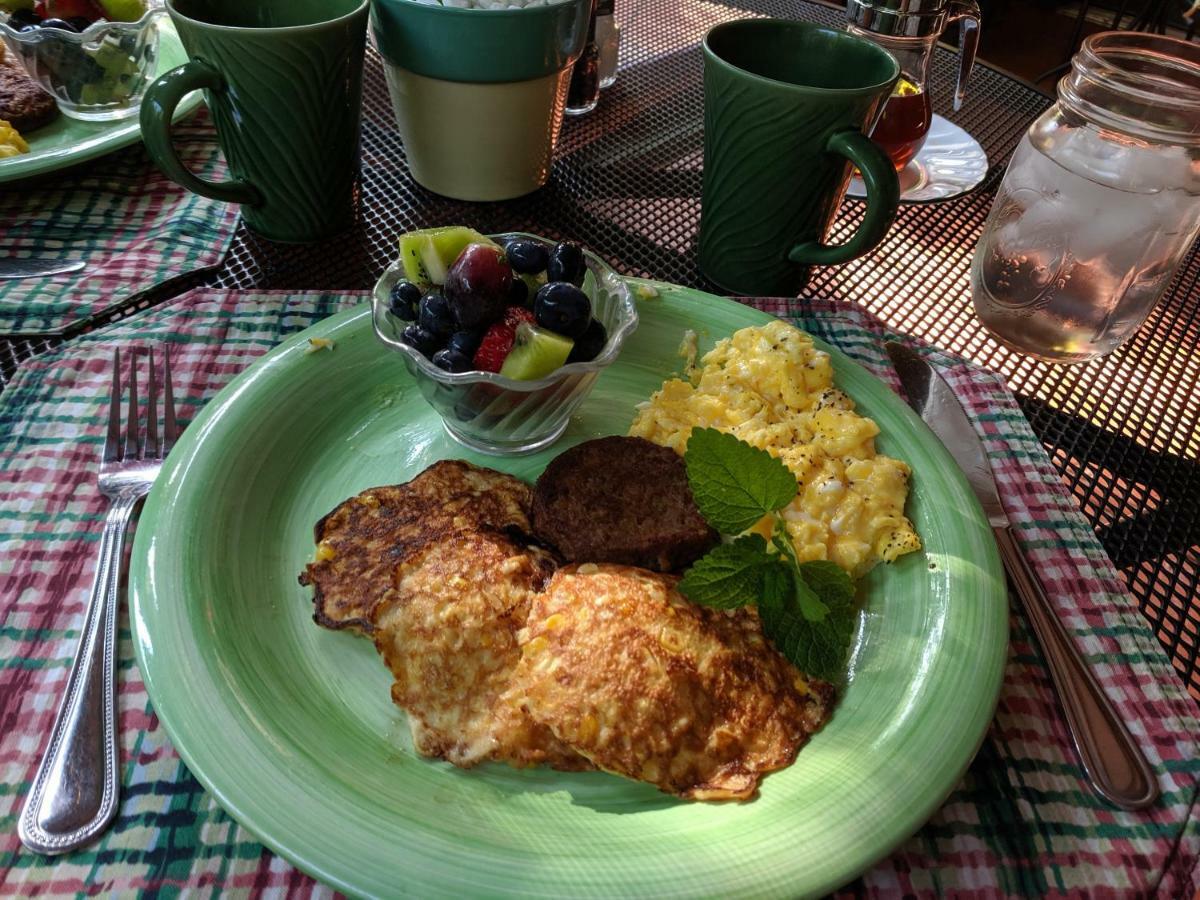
(95, 57)
(473, 305)
(69, 15)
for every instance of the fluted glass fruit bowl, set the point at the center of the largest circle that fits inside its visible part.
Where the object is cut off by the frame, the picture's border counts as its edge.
(503, 416)
(98, 74)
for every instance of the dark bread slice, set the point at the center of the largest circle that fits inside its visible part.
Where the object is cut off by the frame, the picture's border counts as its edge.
(620, 500)
(23, 102)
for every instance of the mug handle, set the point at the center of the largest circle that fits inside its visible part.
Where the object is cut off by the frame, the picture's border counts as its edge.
(883, 197)
(157, 113)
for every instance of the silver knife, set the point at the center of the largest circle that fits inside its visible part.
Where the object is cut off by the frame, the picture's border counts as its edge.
(38, 268)
(1112, 761)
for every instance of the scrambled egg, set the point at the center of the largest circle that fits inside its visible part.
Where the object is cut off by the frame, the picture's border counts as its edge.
(11, 142)
(770, 387)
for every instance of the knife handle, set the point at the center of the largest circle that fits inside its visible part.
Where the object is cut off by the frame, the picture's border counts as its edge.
(1112, 760)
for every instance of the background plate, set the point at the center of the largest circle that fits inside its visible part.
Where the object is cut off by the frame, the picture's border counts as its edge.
(66, 141)
(292, 729)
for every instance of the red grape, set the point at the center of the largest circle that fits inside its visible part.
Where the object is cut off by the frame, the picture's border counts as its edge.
(478, 285)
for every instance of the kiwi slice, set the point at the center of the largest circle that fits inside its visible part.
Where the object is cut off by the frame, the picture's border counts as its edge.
(428, 253)
(533, 282)
(535, 352)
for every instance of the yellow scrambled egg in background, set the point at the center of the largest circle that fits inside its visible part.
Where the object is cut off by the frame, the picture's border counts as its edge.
(11, 142)
(770, 387)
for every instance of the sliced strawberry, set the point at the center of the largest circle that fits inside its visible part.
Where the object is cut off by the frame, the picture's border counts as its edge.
(515, 315)
(494, 347)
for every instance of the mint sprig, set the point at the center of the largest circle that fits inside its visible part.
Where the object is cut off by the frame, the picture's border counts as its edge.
(807, 609)
(735, 484)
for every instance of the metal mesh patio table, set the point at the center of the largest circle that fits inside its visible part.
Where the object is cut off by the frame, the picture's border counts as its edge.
(1122, 431)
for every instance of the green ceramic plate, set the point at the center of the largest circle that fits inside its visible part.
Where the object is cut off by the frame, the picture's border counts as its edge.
(292, 729)
(66, 141)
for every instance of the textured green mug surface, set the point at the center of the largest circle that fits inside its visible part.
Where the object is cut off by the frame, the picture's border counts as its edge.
(786, 105)
(283, 81)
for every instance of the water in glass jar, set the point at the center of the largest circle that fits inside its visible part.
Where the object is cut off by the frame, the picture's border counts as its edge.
(1078, 248)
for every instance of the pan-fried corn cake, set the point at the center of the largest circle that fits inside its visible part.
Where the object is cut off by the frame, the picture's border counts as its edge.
(448, 634)
(360, 543)
(622, 668)
(770, 387)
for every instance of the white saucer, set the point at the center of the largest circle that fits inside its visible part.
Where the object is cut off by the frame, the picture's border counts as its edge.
(950, 163)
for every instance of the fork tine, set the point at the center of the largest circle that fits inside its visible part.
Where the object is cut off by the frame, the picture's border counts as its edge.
(112, 440)
(170, 429)
(131, 423)
(152, 411)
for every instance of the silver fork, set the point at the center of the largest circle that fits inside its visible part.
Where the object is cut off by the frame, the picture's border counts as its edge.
(74, 794)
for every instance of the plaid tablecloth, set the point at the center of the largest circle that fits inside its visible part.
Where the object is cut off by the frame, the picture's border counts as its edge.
(135, 227)
(1021, 823)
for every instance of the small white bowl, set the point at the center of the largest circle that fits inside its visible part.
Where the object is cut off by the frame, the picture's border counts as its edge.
(503, 416)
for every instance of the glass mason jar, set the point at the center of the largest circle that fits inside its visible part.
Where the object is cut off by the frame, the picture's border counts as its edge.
(1099, 204)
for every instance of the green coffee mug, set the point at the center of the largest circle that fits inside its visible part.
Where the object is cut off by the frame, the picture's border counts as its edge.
(283, 81)
(786, 105)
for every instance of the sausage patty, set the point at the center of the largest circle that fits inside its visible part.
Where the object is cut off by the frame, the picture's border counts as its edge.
(620, 500)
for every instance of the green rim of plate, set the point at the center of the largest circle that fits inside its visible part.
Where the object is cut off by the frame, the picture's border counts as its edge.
(292, 729)
(68, 142)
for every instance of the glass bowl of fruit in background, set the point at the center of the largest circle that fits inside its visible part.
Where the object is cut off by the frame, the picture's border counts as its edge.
(95, 57)
(505, 335)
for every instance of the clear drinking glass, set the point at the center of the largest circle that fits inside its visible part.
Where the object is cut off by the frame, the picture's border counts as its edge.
(1099, 204)
(608, 41)
(584, 92)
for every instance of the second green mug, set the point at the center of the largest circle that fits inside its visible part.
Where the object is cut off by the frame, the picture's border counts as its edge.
(283, 81)
(786, 105)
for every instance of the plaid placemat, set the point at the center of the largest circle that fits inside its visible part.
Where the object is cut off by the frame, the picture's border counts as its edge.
(135, 227)
(1020, 824)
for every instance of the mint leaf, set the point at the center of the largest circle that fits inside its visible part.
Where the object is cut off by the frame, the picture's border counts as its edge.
(729, 575)
(809, 602)
(733, 483)
(829, 581)
(817, 648)
(777, 595)
(807, 609)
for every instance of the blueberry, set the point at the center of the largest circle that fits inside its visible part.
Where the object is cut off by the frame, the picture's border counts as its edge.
(419, 339)
(403, 299)
(464, 342)
(27, 27)
(79, 22)
(23, 17)
(589, 344)
(562, 308)
(527, 257)
(451, 361)
(406, 290)
(518, 295)
(566, 263)
(61, 24)
(433, 314)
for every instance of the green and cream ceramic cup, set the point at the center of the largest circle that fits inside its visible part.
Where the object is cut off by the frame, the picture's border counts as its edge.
(786, 108)
(479, 93)
(283, 80)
